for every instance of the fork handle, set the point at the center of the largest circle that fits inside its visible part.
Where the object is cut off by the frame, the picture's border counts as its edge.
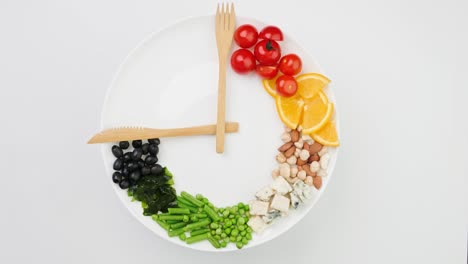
(221, 119)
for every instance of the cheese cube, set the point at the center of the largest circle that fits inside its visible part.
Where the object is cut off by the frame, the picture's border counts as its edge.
(257, 224)
(280, 203)
(265, 194)
(258, 207)
(281, 186)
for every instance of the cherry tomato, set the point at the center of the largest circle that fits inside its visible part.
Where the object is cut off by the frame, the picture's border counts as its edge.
(246, 36)
(286, 85)
(242, 61)
(267, 52)
(271, 32)
(290, 64)
(267, 72)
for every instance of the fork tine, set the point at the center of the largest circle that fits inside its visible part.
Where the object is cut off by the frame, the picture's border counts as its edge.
(232, 20)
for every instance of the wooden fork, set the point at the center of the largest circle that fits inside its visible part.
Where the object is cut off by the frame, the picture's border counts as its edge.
(225, 22)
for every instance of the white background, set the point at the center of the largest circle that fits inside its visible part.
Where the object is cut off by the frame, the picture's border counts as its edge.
(399, 193)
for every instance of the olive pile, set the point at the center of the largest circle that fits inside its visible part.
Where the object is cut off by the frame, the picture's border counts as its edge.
(132, 165)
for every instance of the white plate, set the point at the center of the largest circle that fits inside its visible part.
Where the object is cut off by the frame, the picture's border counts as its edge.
(170, 80)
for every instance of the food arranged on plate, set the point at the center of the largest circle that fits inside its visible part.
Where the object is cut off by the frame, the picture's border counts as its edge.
(302, 104)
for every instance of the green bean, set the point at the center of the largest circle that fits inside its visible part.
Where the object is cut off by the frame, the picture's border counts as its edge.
(214, 242)
(194, 239)
(211, 213)
(181, 199)
(192, 209)
(173, 217)
(178, 211)
(200, 215)
(199, 197)
(194, 218)
(162, 224)
(192, 199)
(196, 225)
(199, 231)
(172, 222)
(182, 237)
(176, 232)
(178, 225)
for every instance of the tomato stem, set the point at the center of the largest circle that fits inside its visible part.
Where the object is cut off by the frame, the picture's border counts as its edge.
(269, 46)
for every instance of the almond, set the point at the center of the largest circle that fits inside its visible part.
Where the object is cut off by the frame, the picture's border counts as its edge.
(285, 146)
(306, 168)
(288, 153)
(317, 180)
(301, 162)
(314, 148)
(294, 136)
(314, 157)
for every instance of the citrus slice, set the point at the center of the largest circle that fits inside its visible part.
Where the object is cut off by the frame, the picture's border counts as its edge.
(290, 110)
(317, 112)
(309, 84)
(327, 135)
(270, 86)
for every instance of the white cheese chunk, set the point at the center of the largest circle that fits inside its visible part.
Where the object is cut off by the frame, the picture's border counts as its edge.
(257, 224)
(281, 186)
(258, 207)
(295, 200)
(271, 215)
(280, 203)
(265, 194)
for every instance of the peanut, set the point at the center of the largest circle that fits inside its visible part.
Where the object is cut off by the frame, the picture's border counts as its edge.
(306, 146)
(286, 137)
(292, 160)
(294, 171)
(281, 158)
(309, 180)
(301, 162)
(315, 166)
(284, 170)
(304, 155)
(302, 175)
(306, 168)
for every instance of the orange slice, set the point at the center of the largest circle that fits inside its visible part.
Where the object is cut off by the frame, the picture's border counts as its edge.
(309, 84)
(290, 110)
(317, 112)
(270, 86)
(327, 135)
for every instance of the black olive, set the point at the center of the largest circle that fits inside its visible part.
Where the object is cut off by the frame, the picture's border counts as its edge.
(141, 163)
(124, 144)
(117, 151)
(153, 149)
(125, 172)
(145, 148)
(136, 143)
(116, 177)
(156, 169)
(136, 155)
(118, 164)
(154, 141)
(135, 176)
(128, 156)
(150, 160)
(145, 171)
(124, 184)
(132, 166)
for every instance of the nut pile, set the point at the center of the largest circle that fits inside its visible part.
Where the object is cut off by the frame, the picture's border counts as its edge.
(300, 158)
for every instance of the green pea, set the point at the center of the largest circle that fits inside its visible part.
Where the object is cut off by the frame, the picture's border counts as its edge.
(214, 225)
(239, 245)
(223, 235)
(217, 237)
(228, 223)
(227, 231)
(243, 233)
(248, 236)
(234, 232)
(241, 221)
(232, 239)
(249, 230)
(213, 232)
(219, 231)
(241, 228)
(239, 238)
(245, 241)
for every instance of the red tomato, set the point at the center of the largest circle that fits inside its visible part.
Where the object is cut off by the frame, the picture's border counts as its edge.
(267, 72)
(290, 64)
(271, 32)
(286, 85)
(267, 52)
(242, 61)
(246, 36)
